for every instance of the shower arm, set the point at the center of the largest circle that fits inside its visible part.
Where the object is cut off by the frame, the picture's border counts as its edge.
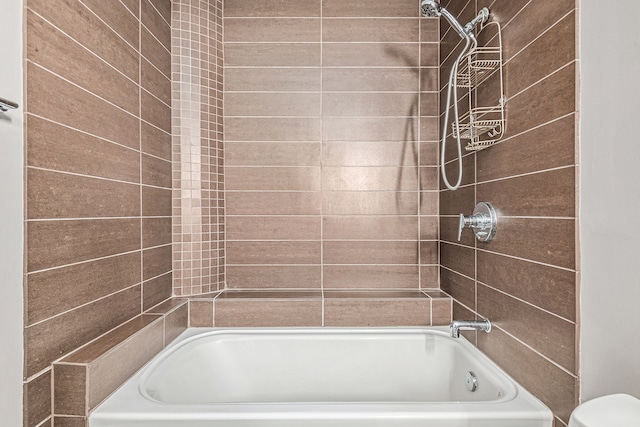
(482, 17)
(462, 32)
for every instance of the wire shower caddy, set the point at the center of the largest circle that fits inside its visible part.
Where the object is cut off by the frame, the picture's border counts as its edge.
(483, 126)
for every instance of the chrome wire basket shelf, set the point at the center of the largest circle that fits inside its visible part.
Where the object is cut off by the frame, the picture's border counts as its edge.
(483, 125)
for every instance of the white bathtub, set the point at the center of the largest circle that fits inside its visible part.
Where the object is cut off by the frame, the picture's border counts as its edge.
(320, 377)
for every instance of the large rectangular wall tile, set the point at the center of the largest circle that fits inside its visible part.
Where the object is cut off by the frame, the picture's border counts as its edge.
(369, 179)
(273, 228)
(557, 137)
(273, 54)
(369, 30)
(272, 154)
(272, 104)
(370, 55)
(370, 252)
(365, 312)
(370, 276)
(53, 146)
(78, 108)
(272, 129)
(549, 241)
(359, 153)
(370, 227)
(369, 129)
(370, 79)
(273, 276)
(369, 203)
(547, 100)
(272, 8)
(272, 79)
(546, 194)
(273, 203)
(273, 178)
(547, 287)
(369, 104)
(60, 195)
(374, 8)
(74, 240)
(271, 30)
(258, 252)
(268, 312)
(47, 293)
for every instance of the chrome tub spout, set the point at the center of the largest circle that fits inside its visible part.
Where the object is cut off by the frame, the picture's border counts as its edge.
(469, 325)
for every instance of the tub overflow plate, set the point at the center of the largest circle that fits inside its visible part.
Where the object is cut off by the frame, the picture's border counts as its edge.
(472, 381)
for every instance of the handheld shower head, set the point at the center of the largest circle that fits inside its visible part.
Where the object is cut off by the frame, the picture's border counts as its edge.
(430, 8)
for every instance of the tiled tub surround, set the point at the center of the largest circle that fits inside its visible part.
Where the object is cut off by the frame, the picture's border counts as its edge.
(198, 177)
(307, 212)
(330, 153)
(525, 280)
(98, 176)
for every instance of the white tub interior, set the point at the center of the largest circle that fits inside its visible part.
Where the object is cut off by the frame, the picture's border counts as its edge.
(290, 366)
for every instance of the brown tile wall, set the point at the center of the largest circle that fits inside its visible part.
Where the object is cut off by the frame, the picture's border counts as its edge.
(525, 280)
(98, 176)
(198, 175)
(330, 155)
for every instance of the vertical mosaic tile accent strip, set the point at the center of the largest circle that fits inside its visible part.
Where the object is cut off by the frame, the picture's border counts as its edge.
(198, 177)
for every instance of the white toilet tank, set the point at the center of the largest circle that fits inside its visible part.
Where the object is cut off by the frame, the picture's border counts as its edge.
(615, 410)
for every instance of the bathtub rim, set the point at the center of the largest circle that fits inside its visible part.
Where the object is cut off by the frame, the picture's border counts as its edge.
(510, 388)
